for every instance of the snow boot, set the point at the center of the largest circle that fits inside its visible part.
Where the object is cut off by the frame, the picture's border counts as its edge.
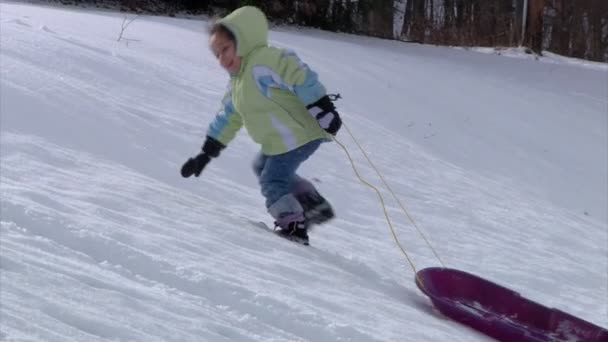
(296, 230)
(317, 209)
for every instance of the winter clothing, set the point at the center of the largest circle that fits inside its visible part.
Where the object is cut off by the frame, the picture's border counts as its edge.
(325, 113)
(285, 109)
(295, 230)
(316, 208)
(276, 175)
(212, 147)
(194, 166)
(270, 93)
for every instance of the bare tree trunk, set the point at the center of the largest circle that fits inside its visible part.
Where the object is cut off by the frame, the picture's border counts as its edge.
(413, 20)
(475, 21)
(534, 27)
(599, 13)
(380, 18)
(565, 36)
(448, 13)
(432, 13)
(459, 13)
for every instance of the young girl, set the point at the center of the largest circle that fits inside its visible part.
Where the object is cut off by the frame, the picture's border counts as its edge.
(284, 108)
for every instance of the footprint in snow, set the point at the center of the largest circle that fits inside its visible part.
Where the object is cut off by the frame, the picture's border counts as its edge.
(21, 22)
(46, 29)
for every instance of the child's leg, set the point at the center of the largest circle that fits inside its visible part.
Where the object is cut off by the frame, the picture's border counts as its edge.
(276, 179)
(258, 164)
(302, 186)
(317, 209)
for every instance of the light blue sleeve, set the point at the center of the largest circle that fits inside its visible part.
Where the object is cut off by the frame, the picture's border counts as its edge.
(292, 74)
(227, 121)
(310, 89)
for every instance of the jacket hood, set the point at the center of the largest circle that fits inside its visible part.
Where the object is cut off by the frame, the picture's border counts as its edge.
(249, 26)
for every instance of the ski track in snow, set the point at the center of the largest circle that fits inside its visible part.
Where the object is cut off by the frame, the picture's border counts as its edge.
(101, 240)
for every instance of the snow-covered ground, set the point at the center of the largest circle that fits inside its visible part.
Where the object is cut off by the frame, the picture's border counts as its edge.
(502, 162)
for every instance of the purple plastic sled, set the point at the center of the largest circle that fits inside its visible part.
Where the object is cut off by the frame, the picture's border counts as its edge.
(499, 312)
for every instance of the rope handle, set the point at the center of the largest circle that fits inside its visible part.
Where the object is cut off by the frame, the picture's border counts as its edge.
(382, 202)
(405, 211)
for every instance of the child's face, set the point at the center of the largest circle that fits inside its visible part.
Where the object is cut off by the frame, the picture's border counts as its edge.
(224, 50)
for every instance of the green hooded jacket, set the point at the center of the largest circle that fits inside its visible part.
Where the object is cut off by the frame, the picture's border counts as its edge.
(270, 92)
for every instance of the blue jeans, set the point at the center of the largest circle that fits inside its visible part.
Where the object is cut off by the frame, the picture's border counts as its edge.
(277, 173)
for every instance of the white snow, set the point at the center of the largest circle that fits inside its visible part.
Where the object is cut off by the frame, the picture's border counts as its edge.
(502, 162)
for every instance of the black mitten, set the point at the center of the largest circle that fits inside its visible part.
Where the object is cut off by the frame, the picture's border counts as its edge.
(325, 113)
(212, 147)
(194, 166)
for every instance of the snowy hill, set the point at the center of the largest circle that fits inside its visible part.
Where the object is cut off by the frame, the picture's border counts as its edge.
(502, 162)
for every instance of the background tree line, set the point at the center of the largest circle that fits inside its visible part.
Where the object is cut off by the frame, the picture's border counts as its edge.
(577, 28)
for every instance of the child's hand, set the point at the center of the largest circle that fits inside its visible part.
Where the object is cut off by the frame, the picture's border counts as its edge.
(194, 166)
(326, 114)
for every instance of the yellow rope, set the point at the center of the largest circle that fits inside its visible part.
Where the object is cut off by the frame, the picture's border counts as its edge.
(382, 202)
(392, 229)
(405, 211)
